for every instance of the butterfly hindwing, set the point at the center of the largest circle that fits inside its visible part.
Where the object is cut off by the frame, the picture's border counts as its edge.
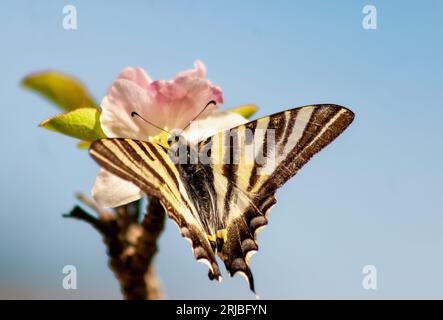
(147, 165)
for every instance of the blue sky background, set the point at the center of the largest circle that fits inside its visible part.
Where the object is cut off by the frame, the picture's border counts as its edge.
(372, 197)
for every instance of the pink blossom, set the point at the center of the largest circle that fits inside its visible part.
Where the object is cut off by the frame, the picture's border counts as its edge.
(173, 103)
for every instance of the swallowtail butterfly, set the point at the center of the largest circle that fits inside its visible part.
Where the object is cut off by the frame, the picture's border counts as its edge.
(221, 205)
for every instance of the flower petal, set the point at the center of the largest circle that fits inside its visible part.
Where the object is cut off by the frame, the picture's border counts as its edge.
(199, 71)
(123, 98)
(111, 191)
(136, 75)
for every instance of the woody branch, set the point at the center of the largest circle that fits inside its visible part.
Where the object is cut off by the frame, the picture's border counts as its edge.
(131, 244)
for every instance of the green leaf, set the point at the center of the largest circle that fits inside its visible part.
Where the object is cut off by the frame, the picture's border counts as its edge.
(246, 110)
(83, 124)
(84, 144)
(63, 90)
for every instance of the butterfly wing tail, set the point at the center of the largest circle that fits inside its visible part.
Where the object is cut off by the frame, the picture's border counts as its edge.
(200, 247)
(241, 238)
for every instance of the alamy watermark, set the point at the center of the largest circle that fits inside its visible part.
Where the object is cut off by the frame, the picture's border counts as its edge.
(69, 21)
(370, 277)
(70, 279)
(369, 21)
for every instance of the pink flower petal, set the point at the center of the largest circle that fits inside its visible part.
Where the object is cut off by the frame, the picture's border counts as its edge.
(123, 98)
(199, 71)
(136, 75)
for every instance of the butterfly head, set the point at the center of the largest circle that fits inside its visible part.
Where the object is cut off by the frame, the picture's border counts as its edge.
(175, 137)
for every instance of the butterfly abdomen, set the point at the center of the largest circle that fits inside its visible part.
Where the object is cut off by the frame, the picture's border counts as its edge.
(199, 183)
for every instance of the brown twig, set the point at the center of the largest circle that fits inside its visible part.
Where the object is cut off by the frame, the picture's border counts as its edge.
(131, 244)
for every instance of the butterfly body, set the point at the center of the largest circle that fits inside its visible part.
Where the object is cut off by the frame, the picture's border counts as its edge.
(220, 191)
(199, 183)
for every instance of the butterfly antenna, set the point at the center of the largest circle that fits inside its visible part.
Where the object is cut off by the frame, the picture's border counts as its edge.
(208, 104)
(133, 114)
